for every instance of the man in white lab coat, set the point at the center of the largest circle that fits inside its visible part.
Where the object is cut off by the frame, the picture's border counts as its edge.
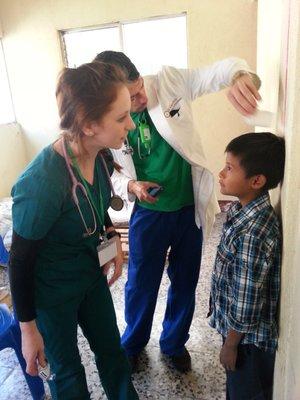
(165, 152)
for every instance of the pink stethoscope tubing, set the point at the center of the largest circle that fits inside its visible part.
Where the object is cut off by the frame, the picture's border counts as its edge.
(77, 185)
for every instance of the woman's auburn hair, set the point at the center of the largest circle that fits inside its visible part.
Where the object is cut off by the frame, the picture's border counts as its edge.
(85, 94)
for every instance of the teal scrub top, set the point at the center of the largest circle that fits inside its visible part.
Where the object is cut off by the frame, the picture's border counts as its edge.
(163, 166)
(43, 209)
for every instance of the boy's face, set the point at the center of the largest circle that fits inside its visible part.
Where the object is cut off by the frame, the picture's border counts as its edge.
(233, 180)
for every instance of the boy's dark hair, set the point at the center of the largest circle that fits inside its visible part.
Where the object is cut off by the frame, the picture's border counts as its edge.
(120, 60)
(260, 153)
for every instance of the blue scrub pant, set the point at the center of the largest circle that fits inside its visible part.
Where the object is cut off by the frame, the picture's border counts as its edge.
(151, 234)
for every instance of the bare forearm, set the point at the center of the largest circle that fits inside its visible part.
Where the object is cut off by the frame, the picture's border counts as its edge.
(28, 327)
(229, 351)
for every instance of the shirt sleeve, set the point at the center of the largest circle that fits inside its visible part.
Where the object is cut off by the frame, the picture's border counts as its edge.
(37, 204)
(251, 267)
(21, 275)
(212, 78)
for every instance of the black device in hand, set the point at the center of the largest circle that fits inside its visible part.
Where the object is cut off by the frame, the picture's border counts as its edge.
(154, 191)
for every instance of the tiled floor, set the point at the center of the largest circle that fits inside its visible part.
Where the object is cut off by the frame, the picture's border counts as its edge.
(156, 380)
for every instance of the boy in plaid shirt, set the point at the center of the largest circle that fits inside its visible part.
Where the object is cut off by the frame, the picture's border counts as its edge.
(246, 277)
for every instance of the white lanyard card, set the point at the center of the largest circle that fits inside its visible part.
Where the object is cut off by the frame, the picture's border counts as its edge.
(107, 250)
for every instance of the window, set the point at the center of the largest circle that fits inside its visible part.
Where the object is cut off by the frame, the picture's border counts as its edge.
(83, 46)
(149, 43)
(6, 107)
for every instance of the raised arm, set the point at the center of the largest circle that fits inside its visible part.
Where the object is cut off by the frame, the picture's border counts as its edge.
(232, 73)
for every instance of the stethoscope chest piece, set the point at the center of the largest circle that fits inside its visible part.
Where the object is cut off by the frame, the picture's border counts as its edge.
(116, 203)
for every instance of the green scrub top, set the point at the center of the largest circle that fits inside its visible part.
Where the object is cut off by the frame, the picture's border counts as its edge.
(43, 209)
(163, 166)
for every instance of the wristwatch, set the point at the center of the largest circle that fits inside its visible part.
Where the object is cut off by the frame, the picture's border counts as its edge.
(112, 234)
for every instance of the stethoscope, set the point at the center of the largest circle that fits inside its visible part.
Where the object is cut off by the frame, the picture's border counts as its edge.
(143, 156)
(169, 112)
(143, 139)
(116, 202)
(129, 150)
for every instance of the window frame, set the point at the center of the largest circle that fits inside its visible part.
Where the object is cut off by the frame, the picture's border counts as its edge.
(117, 24)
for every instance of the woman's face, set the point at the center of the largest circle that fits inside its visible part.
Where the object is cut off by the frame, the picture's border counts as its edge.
(113, 128)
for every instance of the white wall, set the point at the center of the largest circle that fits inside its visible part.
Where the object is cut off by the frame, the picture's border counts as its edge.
(278, 63)
(12, 156)
(287, 373)
(269, 51)
(216, 29)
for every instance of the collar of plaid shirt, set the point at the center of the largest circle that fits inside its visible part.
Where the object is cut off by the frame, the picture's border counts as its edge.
(239, 215)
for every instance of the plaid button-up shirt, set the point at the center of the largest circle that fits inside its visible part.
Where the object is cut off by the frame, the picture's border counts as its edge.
(246, 277)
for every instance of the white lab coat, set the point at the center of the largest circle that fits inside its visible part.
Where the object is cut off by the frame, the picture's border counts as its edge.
(180, 131)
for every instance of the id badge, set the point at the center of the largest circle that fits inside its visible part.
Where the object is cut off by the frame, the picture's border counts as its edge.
(145, 133)
(107, 250)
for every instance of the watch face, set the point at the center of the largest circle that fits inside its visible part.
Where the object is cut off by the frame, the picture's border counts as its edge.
(116, 203)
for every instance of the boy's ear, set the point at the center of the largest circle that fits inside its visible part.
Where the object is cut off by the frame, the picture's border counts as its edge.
(258, 181)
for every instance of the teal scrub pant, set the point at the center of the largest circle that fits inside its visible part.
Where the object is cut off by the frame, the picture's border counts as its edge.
(95, 314)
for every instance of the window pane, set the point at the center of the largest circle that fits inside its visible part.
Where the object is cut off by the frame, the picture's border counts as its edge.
(151, 44)
(6, 107)
(82, 47)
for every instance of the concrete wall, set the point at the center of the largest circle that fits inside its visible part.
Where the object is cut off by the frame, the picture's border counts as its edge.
(216, 29)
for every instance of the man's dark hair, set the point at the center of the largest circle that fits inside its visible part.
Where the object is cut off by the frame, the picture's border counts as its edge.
(120, 60)
(260, 153)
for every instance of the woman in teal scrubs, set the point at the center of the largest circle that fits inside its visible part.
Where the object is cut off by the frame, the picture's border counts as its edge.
(56, 280)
